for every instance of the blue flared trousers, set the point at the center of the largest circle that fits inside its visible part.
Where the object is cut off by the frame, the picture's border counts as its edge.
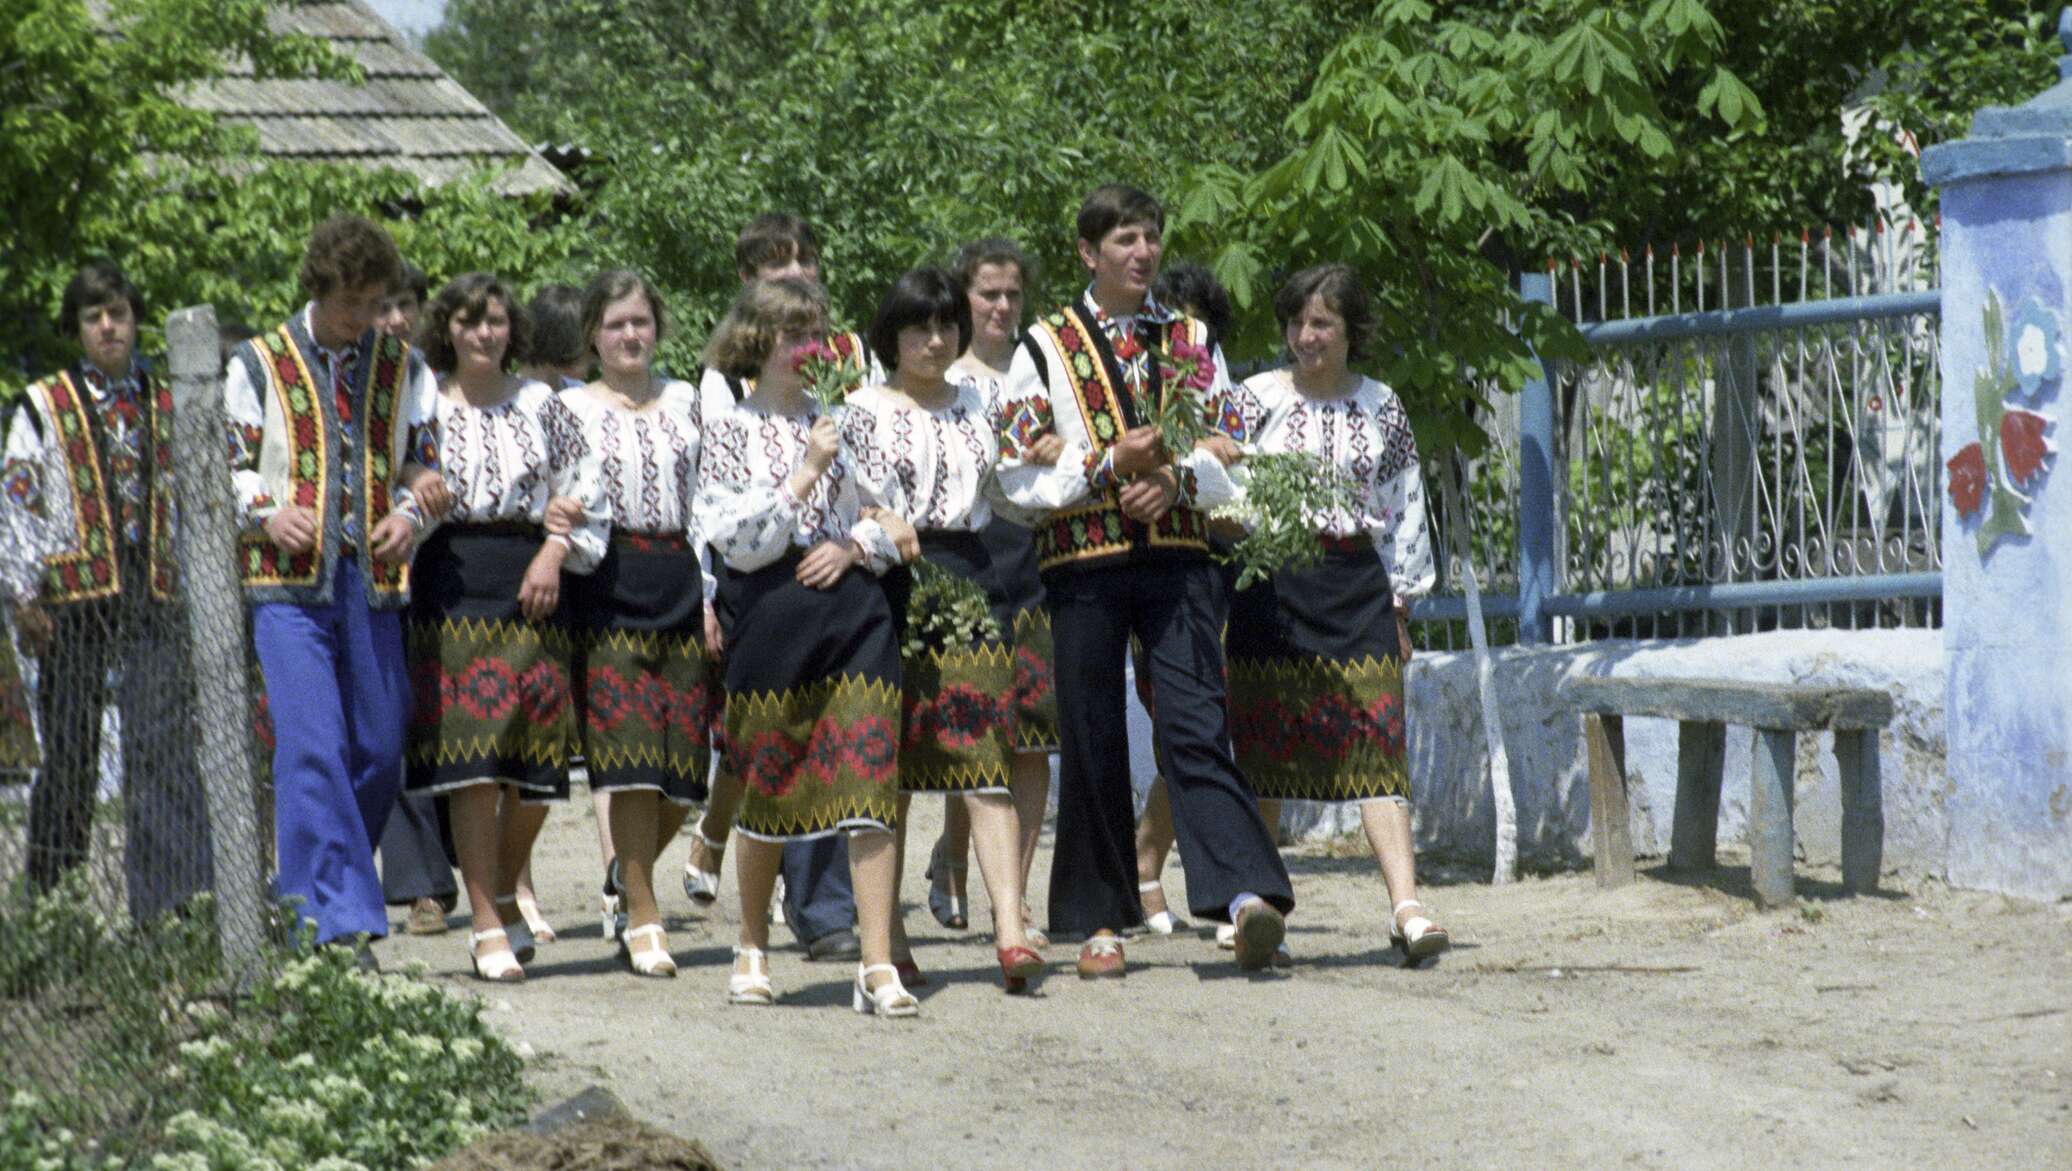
(339, 689)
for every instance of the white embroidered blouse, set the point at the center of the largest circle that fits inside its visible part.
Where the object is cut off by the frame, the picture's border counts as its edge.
(504, 462)
(1365, 435)
(748, 514)
(647, 459)
(933, 467)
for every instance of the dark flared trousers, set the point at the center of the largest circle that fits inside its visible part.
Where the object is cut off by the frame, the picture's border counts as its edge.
(166, 855)
(1174, 608)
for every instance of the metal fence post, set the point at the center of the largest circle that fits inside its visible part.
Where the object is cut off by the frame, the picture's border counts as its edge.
(215, 625)
(1536, 576)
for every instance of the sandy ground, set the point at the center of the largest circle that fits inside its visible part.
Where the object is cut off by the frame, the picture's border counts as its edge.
(1662, 1025)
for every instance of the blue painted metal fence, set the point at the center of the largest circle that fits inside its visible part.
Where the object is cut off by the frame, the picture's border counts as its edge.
(1723, 470)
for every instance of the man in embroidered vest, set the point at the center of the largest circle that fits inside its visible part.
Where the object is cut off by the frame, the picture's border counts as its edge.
(320, 412)
(1125, 551)
(89, 503)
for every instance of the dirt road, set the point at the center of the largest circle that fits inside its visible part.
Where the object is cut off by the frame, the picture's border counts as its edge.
(1662, 1025)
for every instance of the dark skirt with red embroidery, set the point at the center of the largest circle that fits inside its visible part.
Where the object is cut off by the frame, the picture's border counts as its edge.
(1316, 684)
(18, 751)
(1013, 549)
(646, 698)
(960, 706)
(491, 689)
(812, 708)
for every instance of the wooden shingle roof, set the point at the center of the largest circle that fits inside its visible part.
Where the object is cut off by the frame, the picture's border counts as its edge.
(409, 115)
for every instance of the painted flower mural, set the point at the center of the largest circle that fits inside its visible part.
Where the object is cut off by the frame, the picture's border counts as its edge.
(2033, 347)
(1988, 478)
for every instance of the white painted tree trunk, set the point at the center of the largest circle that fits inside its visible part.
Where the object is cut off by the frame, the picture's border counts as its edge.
(1506, 869)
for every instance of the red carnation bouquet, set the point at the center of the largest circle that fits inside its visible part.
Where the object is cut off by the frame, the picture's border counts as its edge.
(828, 373)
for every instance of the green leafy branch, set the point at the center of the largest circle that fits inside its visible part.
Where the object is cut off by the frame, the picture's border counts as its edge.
(1286, 496)
(945, 611)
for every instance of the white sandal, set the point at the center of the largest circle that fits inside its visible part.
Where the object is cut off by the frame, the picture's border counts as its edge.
(529, 910)
(498, 967)
(753, 986)
(612, 915)
(1164, 922)
(888, 999)
(1419, 937)
(649, 963)
(944, 903)
(702, 886)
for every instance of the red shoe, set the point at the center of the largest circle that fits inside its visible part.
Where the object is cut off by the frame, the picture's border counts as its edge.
(1101, 958)
(1019, 965)
(910, 973)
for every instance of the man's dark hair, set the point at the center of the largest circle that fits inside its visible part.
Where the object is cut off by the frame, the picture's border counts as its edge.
(919, 297)
(1195, 291)
(415, 283)
(1343, 294)
(99, 283)
(349, 252)
(465, 299)
(557, 326)
(773, 238)
(992, 250)
(1108, 208)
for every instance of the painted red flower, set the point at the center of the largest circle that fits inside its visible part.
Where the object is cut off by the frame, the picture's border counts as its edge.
(1070, 340)
(2023, 445)
(1968, 479)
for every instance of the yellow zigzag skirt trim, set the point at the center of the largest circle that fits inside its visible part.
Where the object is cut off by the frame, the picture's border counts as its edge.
(815, 757)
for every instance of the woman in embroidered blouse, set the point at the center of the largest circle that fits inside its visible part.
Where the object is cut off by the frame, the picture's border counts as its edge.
(812, 668)
(489, 642)
(995, 273)
(647, 701)
(925, 448)
(1328, 644)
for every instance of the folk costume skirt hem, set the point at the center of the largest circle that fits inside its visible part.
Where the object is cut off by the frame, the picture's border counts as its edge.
(646, 698)
(812, 702)
(1013, 551)
(491, 688)
(1316, 683)
(959, 705)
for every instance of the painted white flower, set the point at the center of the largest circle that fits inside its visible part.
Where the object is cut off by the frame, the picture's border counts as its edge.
(2034, 348)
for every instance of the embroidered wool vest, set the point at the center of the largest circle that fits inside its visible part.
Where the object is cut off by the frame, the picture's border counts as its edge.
(92, 567)
(302, 464)
(1097, 532)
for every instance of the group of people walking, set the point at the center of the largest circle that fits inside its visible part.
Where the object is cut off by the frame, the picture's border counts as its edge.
(470, 562)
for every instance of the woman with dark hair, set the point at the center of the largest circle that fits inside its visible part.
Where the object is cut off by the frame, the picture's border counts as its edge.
(1333, 638)
(924, 448)
(647, 702)
(995, 274)
(812, 669)
(560, 354)
(490, 647)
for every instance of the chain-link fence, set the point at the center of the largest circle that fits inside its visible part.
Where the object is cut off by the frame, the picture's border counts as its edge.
(132, 855)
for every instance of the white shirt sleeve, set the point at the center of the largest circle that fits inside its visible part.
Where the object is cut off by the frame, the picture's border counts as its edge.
(245, 415)
(1023, 415)
(575, 471)
(31, 470)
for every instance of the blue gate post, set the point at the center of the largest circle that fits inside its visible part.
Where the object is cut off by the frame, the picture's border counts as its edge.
(1536, 577)
(2007, 511)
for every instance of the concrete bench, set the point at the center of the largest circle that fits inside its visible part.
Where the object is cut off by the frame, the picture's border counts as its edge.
(1703, 708)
